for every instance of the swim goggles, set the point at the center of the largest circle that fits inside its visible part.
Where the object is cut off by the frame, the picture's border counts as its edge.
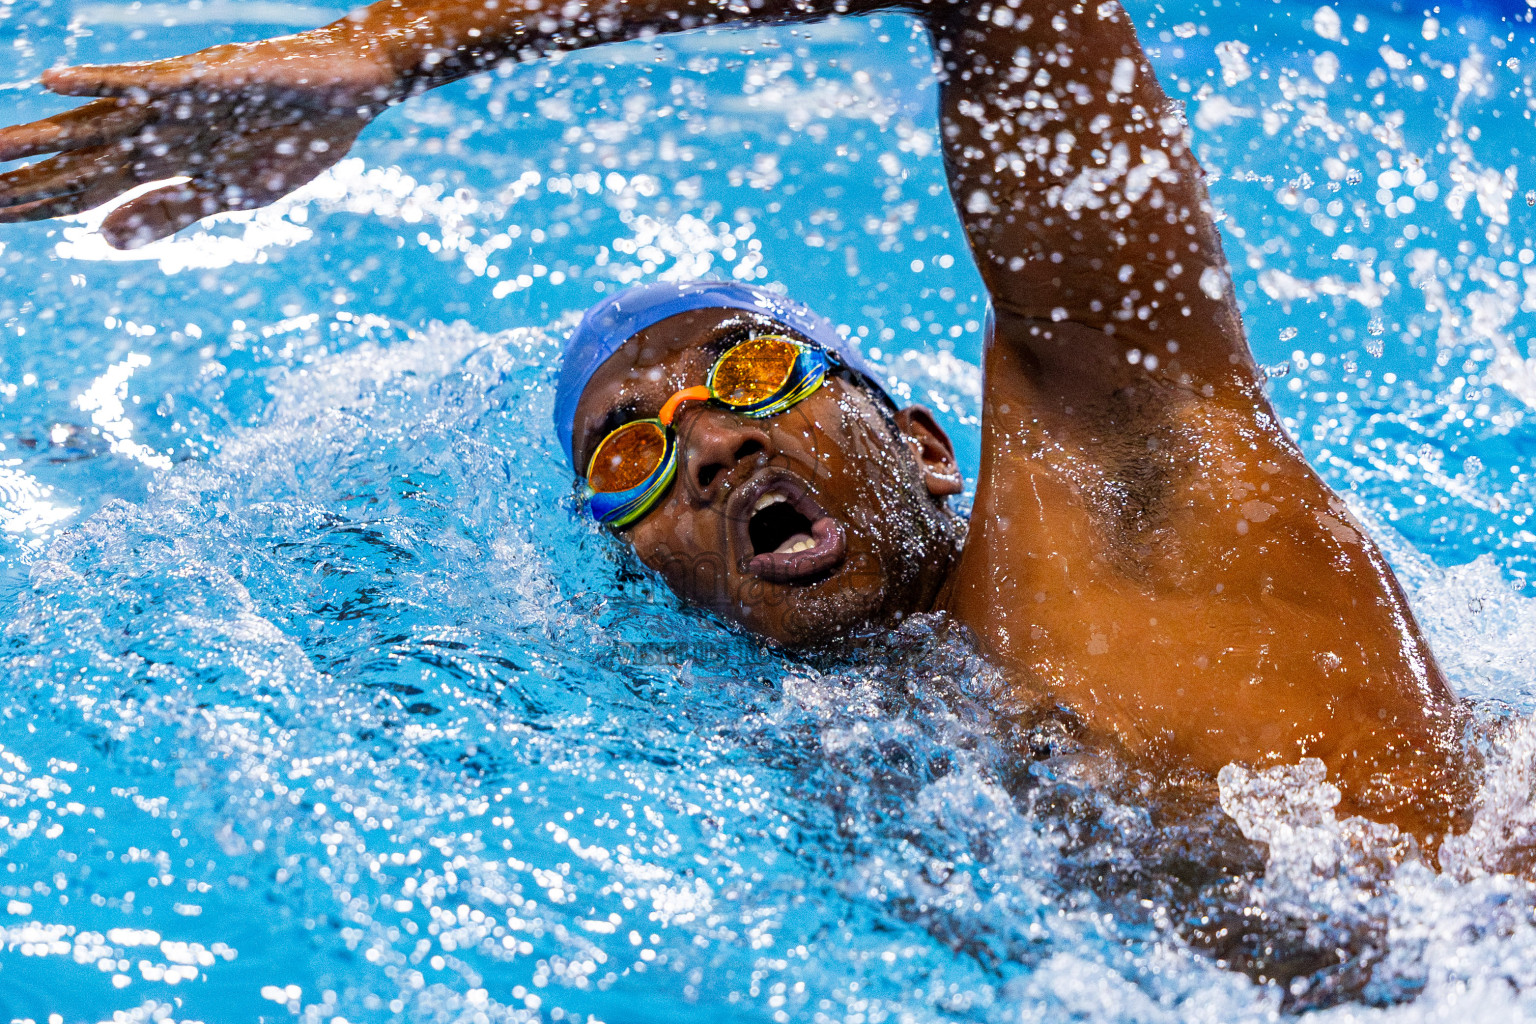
(634, 465)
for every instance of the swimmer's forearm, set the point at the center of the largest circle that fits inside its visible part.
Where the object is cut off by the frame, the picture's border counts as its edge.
(1077, 186)
(249, 122)
(432, 42)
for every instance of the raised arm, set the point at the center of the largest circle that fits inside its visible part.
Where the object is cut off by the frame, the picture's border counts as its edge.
(1074, 177)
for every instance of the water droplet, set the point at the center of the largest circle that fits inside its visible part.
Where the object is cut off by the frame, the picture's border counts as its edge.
(1377, 326)
(1530, 198)
(1233, 56)
(1286, 334)
(1326, 22)
(1213, 282)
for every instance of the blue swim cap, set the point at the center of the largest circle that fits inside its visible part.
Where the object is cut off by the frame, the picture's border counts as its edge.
(612, 322)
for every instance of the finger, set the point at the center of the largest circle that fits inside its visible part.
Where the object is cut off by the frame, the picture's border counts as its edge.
(275, 66)
(90, 125)
(125, 163)
(43, 209)
(165, 211)
(64, 206)
(251, 173)
(254, 170)
(57, 177)
(139, 80)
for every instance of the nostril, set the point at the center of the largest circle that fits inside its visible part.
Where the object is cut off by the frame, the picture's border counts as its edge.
(714, 461)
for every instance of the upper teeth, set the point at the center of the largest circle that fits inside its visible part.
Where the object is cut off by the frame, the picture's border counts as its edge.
(766, 500)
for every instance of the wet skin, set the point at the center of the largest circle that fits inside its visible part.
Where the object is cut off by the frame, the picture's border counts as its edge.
(863, 486)
(1164, 562)
(1147, 546)
(1161, 561)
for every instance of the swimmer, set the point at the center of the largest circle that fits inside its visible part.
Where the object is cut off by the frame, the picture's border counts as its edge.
(1147, 547)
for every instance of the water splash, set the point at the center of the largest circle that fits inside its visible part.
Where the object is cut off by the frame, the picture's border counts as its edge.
(356, 706)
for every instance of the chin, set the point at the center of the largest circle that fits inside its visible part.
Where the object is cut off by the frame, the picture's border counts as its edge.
(808, 616)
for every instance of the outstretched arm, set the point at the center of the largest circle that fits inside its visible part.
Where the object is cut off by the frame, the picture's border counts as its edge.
(1071, 169)
(248, 123)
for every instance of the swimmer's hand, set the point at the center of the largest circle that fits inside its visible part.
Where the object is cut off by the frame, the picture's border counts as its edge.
(247, 123)
(244, 124)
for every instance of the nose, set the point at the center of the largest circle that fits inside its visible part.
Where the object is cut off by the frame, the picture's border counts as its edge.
(713, 443)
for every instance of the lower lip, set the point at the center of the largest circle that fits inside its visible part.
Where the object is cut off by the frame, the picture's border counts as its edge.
(781, 567)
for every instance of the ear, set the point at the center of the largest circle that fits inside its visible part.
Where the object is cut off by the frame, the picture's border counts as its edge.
(932, 449)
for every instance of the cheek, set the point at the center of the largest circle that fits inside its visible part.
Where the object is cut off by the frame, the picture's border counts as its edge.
(685, 547)
(656, 542)
(885, 501)
(858, 460)
(823, 444)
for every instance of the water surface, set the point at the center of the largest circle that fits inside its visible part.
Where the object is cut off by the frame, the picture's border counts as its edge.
(322, 701)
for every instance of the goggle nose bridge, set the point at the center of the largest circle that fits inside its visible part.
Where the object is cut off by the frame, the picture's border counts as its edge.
(697, 393)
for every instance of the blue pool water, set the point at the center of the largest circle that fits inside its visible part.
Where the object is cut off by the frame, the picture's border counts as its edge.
(322, 703)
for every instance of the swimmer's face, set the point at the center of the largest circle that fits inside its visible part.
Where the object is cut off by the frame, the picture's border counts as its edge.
(800, 526)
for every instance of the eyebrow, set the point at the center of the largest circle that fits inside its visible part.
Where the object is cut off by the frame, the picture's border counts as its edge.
(733, 334)
(741, 328)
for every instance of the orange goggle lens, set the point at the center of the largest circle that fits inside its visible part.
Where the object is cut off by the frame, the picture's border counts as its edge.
(753, 371)
(627, 457)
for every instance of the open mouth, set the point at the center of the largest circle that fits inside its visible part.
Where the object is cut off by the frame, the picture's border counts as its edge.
(777, 526)
(788, 537)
